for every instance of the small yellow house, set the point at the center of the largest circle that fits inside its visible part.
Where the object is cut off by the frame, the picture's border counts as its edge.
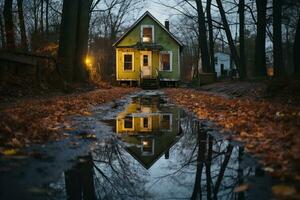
(148, 52)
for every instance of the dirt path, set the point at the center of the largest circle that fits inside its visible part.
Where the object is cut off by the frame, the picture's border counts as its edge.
(269, 130)
(41, 120)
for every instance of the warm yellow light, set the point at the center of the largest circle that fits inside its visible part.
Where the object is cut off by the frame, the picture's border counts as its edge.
(145, 143)
(88, 61)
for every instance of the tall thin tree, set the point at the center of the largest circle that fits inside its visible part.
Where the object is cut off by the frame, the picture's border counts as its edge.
(260, 40)
(42, 16)
(279, 70)
(243, 72)
(297, 49)
(232, 47)
(9, 25)
(211, 37)
(202, 38)
(2, 32)
(24, 45)
(47, 18)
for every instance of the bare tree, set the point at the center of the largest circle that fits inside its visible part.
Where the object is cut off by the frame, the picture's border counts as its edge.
(24, 44)
(202, 39)
(231, 44)
(73, 39)
(297, 49)
(2, 31)
(260, 41)
(279, 70)
(211, 36)
(68, 37)
(243, 72)
(9, 25)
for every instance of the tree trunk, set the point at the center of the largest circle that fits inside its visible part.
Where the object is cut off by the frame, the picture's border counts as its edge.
(222, 169)
(9, 25)
(208, 168)
(197, 191)
(279, 70)
(202, 38)
(73, 44)
(35, 15)
(260, 41)
(243, 72)
(80, 180)
(297, 49)
(232, 47)
(2, 32)
(24, 44)
(211, 38)
(80, 73)
(67, 39)
(47, 19)
(42, 17)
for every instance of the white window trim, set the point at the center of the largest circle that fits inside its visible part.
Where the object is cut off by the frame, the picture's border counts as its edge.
(171, 61)
(149, 53)
(123, 55)
(128, 129)
(142, 30)
(149, 123)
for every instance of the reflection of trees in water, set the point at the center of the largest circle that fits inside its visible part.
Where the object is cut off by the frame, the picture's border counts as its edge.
(117, 175)
(79, 180)
(216, 163)
(206, 167)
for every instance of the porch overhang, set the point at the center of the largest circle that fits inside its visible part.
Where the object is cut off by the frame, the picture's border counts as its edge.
(144, 46)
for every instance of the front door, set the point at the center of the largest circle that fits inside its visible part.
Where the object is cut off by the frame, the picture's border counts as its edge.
(146, 62)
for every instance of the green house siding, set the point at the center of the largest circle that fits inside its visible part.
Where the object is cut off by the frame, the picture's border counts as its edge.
(162, 38)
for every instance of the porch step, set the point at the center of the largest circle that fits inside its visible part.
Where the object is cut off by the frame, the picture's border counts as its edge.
(149, 84)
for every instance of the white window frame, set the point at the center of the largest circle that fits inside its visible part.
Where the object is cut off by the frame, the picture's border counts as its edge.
(149, 123)
(171, 61)
(128, 129)
(123, 59)
(142, 31)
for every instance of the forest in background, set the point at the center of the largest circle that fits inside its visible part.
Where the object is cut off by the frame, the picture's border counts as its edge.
(261, 36)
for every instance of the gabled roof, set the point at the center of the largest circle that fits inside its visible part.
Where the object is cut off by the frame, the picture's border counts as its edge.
(147, 13)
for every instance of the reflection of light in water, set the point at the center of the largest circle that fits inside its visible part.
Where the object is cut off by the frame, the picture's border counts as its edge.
(145, 143)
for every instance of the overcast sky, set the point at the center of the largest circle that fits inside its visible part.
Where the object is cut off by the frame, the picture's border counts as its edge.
(158, 11)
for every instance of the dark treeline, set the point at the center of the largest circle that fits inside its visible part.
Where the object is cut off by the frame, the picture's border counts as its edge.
(68, 31)
(261, 36)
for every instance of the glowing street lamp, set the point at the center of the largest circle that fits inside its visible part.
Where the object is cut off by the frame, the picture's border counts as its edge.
(88, 61)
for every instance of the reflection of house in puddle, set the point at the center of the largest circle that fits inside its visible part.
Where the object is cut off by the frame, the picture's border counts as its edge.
(149, 128)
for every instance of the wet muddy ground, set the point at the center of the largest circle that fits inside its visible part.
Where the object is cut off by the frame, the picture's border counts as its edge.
(139, 147)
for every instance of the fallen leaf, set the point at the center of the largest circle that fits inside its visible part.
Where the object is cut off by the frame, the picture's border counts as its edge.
(9, 152)
(283, 190)
(241, 188)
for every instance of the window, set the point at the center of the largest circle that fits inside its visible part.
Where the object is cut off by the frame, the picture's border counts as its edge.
(147, 146)
(147, 33)
(145, 122)
(166, 61)
(145, 60)
(166, 122)
(128, 61)
(128, 122)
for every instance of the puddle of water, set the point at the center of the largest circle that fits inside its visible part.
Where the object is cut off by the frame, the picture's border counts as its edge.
(154, 150)
(146, 148)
